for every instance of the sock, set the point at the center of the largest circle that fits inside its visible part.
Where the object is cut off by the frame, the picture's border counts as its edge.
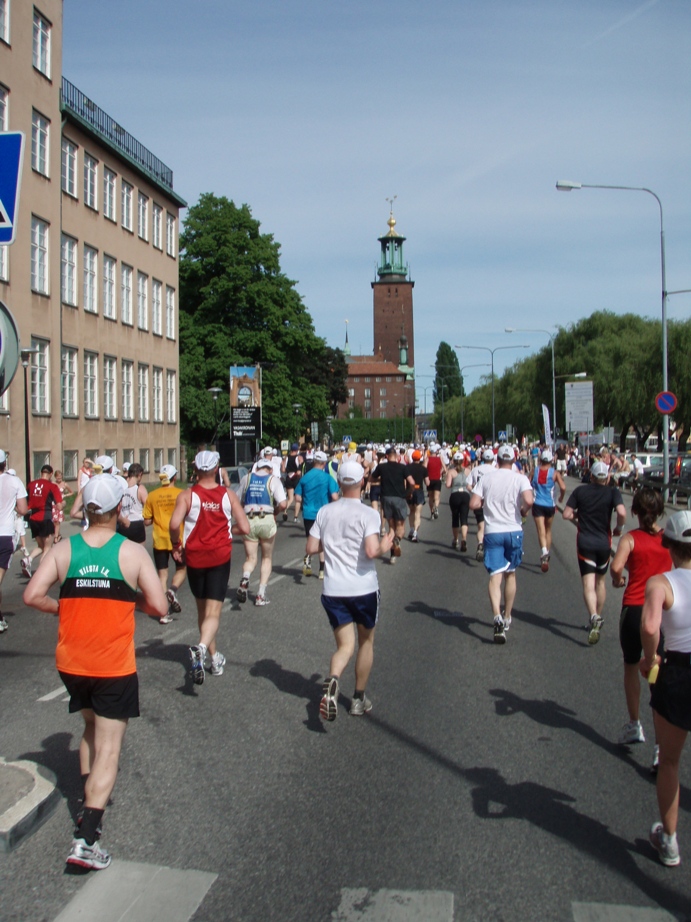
(91, 820)
(544, 551)
(246, 576)
(262, 589)
(321, 564)
(358, 694)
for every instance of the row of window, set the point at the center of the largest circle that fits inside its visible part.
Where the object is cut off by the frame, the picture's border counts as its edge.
(378, 378)
(367, 392)
(70, 459)
(107, 285)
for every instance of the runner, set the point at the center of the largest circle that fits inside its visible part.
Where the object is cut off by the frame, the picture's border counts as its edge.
(157, 511)
(58, 514)
(417, 478)
(316, 489)
(43, 496)
(488, 464)
(591, 506)
(457, 480)
(12, 503)
(263, 498)
(292, 468)
(435, 472)
(543, 481)
(131, 522)
(98, 572)
(506, 497)
(348, 534)
(207, 510)
(394, 483)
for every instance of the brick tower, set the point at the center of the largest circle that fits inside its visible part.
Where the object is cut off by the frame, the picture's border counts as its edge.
(393, 300)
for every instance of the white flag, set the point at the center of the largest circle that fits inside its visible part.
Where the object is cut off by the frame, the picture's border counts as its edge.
(548, 428)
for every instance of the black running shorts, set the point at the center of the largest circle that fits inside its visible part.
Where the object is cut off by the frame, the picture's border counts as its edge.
(209, 582)
(114, 697)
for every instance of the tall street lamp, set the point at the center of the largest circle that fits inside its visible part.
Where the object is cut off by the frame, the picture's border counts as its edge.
(296, 409)
(215, 391)
(26, 361)
(567, 186)
(491, 352)
(552, 337)
(479, 365)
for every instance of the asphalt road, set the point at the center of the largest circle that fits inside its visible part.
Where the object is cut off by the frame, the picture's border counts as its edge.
(486, 776)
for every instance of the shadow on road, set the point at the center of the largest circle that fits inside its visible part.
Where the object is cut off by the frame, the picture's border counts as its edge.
(64, 763)
(292, 683)
(453, 619)
(554, 626)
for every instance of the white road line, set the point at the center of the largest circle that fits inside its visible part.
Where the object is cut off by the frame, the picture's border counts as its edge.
(175, 637)
(362, 905)
(53, 694)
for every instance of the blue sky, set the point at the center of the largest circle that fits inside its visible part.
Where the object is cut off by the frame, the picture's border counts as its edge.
(315, 111)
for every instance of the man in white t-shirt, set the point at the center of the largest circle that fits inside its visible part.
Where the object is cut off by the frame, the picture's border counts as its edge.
(12, 496)
(348, 533)
(476, 474)
(505, 496)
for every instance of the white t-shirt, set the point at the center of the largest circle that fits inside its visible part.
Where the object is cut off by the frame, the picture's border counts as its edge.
(11, 489)
(501, 490)
(676, 621)
(477, 473)
(342, 528)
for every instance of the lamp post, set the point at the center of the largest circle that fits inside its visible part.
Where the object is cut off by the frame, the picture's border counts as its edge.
(26, 361)
(296, 409)
(491, 352)
(568, 186)
(215, 391)
(552, 337)
(479, 365)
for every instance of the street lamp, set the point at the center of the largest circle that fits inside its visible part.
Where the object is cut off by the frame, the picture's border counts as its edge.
(492, 351)
(215, 391)
(26, 361)
(552, 337)
(296, 409)
(564, 185)
(479, 365)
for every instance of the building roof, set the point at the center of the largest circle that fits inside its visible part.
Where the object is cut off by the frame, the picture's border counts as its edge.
(373, 367)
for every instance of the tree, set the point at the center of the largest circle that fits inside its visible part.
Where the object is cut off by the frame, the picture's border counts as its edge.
(447, 373)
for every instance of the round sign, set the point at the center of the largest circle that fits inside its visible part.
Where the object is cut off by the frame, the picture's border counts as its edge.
(9, 347)
(666, 402)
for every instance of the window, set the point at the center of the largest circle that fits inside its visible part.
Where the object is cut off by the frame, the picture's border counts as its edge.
(170, 234)
(144, 459)
(173, 457)
(68, 274)
(378, 378)
(70, 464)
(156, 313)
(39, 143)
(143, 216)
(128, 455)
(357, 380)
(41, 44)
(90, 276)
(109, 288)
(171, 397)
(4, 263)
(109, 179)
(112, 453)
(126, 205)
(127, 384)
(68, 382)
(143, 393)
(157, 221)
(4, 107)
(142, 301)
(351, 391)
(382, 392)
(126, 294)
(368, 404)
(69, 167)
(110, 396)
(90, 178)
(90, 384)
(4, 21)
(157, 394)
(388, 378)
(382, 404)
(158, 459)
(39, 459)
(367, 380)
(368, 392)
(170, 312)
(39, 256)
(40, 381)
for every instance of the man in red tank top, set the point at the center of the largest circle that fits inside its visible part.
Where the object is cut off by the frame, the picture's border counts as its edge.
(435, 471)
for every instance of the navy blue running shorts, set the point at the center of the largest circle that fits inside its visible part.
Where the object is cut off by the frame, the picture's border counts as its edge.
(6, 551)
(361, 609)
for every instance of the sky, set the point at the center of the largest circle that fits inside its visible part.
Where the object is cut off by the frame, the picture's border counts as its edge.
(314, 112)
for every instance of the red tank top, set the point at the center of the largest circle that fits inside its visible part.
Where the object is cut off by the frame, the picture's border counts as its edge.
(208, 538)
(434, 468)
(648, 558)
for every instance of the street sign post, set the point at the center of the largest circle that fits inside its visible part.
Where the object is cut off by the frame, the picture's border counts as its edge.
(11, 156)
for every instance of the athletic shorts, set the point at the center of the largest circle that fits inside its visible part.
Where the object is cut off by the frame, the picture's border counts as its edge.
(209, 582)
(561, 467)
(460, 506)
(261, 529)
(375, 493)
(670, 696)
(593, 559)
(136, 532)
(308, 523)
(395, 508)
(630, 634)
(434, 486)
(417, 498)
(161, 558)
(361, 609)
(6, 551)
(503, 551)
(41, 529)
(479, 515)
(544, 512)
(116, 698)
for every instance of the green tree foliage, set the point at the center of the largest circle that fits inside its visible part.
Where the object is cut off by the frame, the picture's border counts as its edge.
(238, 308)
(447, 373)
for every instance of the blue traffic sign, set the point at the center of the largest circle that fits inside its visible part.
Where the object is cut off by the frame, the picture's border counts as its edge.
(11, 151)
(666, 402)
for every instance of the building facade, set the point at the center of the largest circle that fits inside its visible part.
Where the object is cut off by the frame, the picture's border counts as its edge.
(92, 277)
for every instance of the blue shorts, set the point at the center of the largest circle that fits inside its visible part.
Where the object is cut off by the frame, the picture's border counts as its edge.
(503, 551)
(342, 609)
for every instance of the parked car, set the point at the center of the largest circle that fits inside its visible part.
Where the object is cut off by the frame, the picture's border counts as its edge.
(235, 475)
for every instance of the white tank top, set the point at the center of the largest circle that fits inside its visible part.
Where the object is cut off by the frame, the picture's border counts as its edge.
(676, 621)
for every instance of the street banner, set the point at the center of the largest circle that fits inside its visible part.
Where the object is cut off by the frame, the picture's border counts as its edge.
(548, 428)
(245, 401)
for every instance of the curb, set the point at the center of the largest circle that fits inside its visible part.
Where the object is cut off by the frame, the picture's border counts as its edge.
(32, 795)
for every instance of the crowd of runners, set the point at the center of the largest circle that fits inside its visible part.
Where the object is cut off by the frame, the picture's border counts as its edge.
(357, 504)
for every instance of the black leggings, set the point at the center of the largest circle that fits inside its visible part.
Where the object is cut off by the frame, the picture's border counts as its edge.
(460, 505)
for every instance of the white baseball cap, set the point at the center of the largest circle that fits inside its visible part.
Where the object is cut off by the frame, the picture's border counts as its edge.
(206, 460)
(264, 462)
(105, 461)
(488, 455)
(320, 456)
(678, 527)
(546, 455)
(505, 453)
(350, 473)
(3, 456)
(599, 470)
(169, 470)
(102, 493)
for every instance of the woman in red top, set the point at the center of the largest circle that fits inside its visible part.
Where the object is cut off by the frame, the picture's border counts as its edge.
(642, 554)
(435, 471)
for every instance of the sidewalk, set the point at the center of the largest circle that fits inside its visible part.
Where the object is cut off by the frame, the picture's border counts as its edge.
(28, 795)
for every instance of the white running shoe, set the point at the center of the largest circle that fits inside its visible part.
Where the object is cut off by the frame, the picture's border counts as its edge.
(26, 567)
(261, 600)
(218, 662)
(499, 630)
(172, 597)
(328, 707)
(632, 732)
(197, 657)
(166, 619)
(594, 629)
(360, 706)
(88, 856)
(666, 846)
(3, 624)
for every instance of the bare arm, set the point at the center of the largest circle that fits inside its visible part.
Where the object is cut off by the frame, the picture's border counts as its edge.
(22, 506)
(619, 563)
(36, 592)
(241, 525)
(658, 595)
(475, 501)
(621, 518)
(313, 546)
(378, 547)
(182, 507)
(527, 500)
(569, 514)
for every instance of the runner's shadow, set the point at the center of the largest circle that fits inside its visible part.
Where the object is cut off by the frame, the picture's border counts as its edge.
(57, 756)
(293, 683)
(156, 648)
(553, 625)
(452, 619)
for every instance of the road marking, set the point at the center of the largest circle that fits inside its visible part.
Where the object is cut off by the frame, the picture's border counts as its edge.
(130, 891)
(362, 905)
(175, 637)
(608, 912)
(54, 694)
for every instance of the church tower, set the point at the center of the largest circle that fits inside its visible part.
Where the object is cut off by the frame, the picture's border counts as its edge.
(393, 300)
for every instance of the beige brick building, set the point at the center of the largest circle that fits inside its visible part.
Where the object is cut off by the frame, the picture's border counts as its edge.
(92, 277)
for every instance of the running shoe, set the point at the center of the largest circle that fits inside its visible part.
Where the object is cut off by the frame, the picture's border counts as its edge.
(321, 574)
(594, 629)
(499, 630)
(88, 856)
(464, 547)
(26, 567)
(218, 662)
(396, 549)
(410, 534)
(3, 624)
(632, 732)
(392, 558)
(285, 516)
(328, 707)
(666, 846)
(307, 567)
(260, 600)
(166, 619)
(656, 760)
(507, 623)
(197, 657)
(172, 597)
(480, 552)
(242, 589)
(454, 544)
(544, 563)
(415, 539)
(360, 706)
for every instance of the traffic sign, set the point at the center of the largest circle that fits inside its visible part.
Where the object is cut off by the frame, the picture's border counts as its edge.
(666, 402)
(429, 435)
(9, 347)
(11, 155)
(502, 435)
